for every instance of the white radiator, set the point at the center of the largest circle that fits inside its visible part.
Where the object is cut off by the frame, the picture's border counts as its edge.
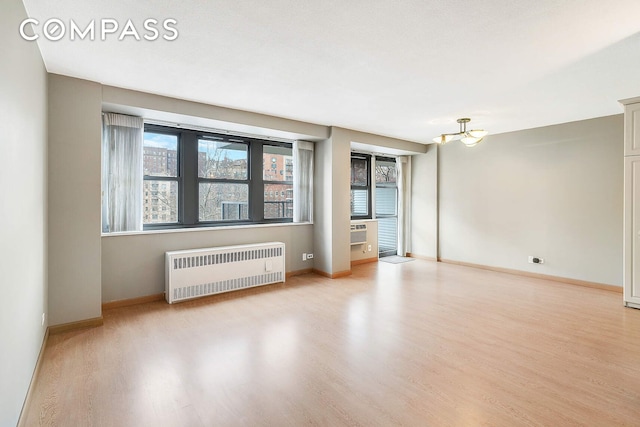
(199, 272)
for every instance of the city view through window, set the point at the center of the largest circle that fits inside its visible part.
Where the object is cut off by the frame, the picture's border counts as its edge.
(223, 180)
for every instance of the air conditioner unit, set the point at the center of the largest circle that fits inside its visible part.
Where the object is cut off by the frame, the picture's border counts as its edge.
(358, 234)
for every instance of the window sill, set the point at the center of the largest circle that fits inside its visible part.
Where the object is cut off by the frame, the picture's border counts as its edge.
(204, 229)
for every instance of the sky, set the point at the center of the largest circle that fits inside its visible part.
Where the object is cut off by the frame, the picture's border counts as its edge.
(159, 140)
(170, 142)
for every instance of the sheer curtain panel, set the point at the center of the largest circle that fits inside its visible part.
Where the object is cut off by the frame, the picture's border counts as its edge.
(403, 168)
(302, 181)
(122, 174)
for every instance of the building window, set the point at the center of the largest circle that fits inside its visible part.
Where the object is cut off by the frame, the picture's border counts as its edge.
(211, 179)
(360, 186)
(159, 169)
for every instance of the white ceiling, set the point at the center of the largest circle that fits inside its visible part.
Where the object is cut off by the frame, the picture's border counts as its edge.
(405, 69)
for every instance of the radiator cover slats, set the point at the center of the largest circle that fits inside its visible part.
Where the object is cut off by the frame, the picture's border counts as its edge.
(199, 272)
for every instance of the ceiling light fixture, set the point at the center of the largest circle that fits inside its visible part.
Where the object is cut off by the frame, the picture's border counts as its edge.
(468, 137)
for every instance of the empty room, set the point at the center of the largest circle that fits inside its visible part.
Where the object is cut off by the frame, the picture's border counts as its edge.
(243, 213)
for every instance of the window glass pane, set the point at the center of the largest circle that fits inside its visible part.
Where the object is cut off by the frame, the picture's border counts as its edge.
(359, 171)
(223, 202)
(277, 163)
(160, 203)
(160, 154)
(386, 200)
(278, 201)
(222, 159)
(359, 202)
(387, 234)
(385, 171)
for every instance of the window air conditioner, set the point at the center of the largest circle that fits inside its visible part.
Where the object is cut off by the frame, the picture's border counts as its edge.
(358, 234)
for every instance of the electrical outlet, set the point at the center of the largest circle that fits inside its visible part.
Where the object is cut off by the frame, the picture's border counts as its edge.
(304, 257)
(535, 260)
(309, 256)
(369, 248)
(42, 324)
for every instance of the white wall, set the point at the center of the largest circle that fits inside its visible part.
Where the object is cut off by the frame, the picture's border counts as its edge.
(23, 120)
(555, 192)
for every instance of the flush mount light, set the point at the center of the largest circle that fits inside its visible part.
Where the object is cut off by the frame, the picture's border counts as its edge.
(468, 137)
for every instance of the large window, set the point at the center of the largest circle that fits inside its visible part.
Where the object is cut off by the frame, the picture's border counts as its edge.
(360, 186)
(194, 178)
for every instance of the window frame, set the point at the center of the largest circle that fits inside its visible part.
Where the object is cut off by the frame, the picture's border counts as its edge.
(177, 178)
(189, 179)
(200, 180)
(267, 182)
(380, 216)
(367, 187)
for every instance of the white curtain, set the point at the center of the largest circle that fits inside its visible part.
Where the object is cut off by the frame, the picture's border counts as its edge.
(122, 174)
(302, 181)
(403, 169)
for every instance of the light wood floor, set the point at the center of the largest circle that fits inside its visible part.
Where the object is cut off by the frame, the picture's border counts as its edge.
(418, 344)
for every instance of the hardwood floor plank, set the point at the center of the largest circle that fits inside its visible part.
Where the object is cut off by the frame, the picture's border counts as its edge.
(419, 343)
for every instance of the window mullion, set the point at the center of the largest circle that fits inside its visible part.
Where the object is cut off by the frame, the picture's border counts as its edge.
(190, 186)
(256, 183)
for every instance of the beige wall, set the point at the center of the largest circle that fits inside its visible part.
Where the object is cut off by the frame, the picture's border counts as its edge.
(194, 113)
(553, 192)
(424, 203)
(74, 199)
(465, 184)
(75, 108)
(333, 212)
(360, 252)
(332, 215)
(340, 200)
(81, 276)
(23, 263)
(133, 265)
(322, 206)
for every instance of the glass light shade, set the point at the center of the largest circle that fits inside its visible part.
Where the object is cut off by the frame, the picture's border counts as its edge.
(442, 139)
(478, 133)
(470, 141)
